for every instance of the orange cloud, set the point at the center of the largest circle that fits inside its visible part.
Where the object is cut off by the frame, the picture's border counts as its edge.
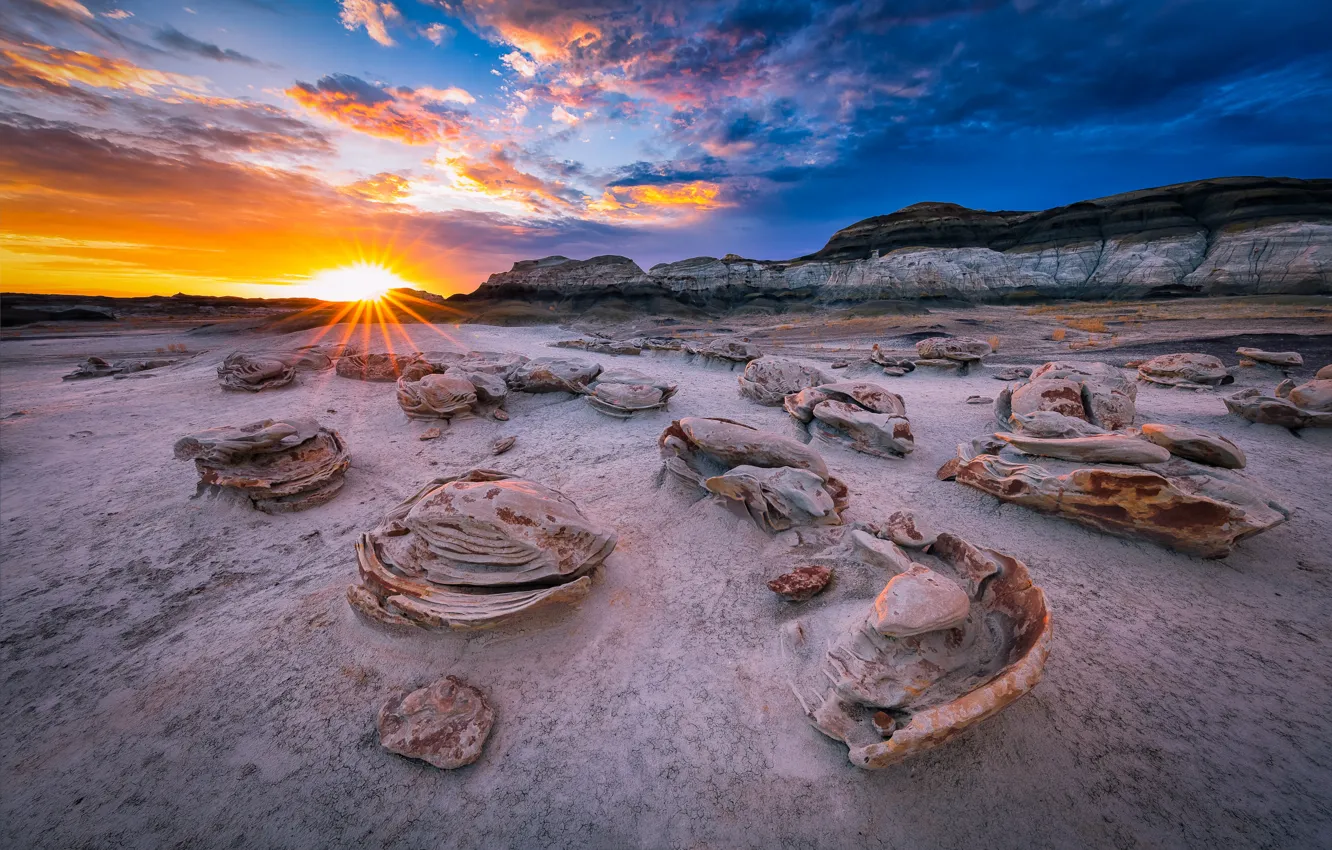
(497, 175)
(413, 116)
(385, 187)
(671, 200)
(42, 67)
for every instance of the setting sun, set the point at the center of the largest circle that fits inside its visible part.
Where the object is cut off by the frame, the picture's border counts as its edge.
(359, 282)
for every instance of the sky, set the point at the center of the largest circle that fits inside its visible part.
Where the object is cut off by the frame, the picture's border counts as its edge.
(246, 147)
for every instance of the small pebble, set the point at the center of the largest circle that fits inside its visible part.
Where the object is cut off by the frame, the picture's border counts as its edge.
(502, 445)
(884, 722)
(431, 433)
(979, 399)
(501, 415)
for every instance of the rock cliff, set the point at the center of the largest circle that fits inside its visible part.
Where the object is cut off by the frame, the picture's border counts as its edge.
(1238, 235)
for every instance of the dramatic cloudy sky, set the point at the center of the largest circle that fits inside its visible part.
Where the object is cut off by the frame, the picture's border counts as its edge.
(240, 146)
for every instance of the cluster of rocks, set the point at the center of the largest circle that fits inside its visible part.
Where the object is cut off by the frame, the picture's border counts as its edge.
(1307, 405)
(1173, 485)
(780, 482)
(862, 416)
(280, 466)
(950, 353)
(96, 367)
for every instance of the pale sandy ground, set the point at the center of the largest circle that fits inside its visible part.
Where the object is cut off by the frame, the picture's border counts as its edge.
(186, 673)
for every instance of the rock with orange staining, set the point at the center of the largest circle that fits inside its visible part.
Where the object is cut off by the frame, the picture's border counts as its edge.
(962, 349)
(946, 645)
(445, 724)
(1188, 371)
(1196, 445)
(383, 366)
(1307, 405)
(1197, 509)
(802, 583)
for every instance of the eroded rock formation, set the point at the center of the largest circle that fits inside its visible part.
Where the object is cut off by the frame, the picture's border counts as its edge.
(953, 638)
(1193, 508)
(1227, 236)
(96, 367)
(781, 482)
(769, 380)
(1307, 405)
(475, 550)
(281, 466)
(255, 372)
(1186, 371)
(862, 416)
(1096, 394)
(624, 392)
(552, 374)
(1196, 445)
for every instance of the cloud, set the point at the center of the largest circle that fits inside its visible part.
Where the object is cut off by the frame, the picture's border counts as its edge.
(411, 116)
(176, 40)
(374, 17)
(496, 173)
(385, 187)
(660, 202)
(43, 68)
(117, 14)
(437, 34)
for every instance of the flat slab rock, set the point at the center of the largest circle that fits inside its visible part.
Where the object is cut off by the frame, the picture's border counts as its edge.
(1193, 444)
(801, 584)
(1272, 358)
(445, 724)
(919, 601)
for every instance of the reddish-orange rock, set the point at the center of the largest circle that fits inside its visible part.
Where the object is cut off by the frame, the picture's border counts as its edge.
(445, 724)
(801, 584)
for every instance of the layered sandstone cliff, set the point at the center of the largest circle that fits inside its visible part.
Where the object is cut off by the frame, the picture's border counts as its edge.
(1240, 235)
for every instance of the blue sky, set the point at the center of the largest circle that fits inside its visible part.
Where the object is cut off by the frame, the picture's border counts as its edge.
(243, 145)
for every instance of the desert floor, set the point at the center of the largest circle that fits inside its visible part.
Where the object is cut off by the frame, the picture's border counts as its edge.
(184, 672)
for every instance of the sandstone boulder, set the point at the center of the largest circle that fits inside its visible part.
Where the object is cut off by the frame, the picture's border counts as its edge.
(1188, 371)
(383, 366)
(781, 482)
(963, 349)
(769, 380)
(1099, 448)
(445, 724)
(1284, 359)
(1193, 444)
(624, 392)
(862, 416)
(962, 637)
(801, 584)
(552, 374)
(1201, 510)
(475, 550)
(280, 466)
(1305, 406)
(1096, 393)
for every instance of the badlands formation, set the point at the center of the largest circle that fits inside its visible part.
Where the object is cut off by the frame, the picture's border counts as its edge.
(959, 575)
(1241, 235)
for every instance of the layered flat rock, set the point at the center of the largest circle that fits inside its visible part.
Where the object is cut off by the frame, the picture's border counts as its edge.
(445, 724)
(96, 367)
(1196, 445)
(1272, 358)
(1307, 405)
(860, 415)
(1099, 448)
(382, 366)
(623, 392)
(769, 380)
(552, 374)
(729, 350)
(280, 466)
(968, 633)
(437, 396)
(255, 372)
(963, 349)
(1188, 371)
(1196, 509)
(782, 483)
(475, 550)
